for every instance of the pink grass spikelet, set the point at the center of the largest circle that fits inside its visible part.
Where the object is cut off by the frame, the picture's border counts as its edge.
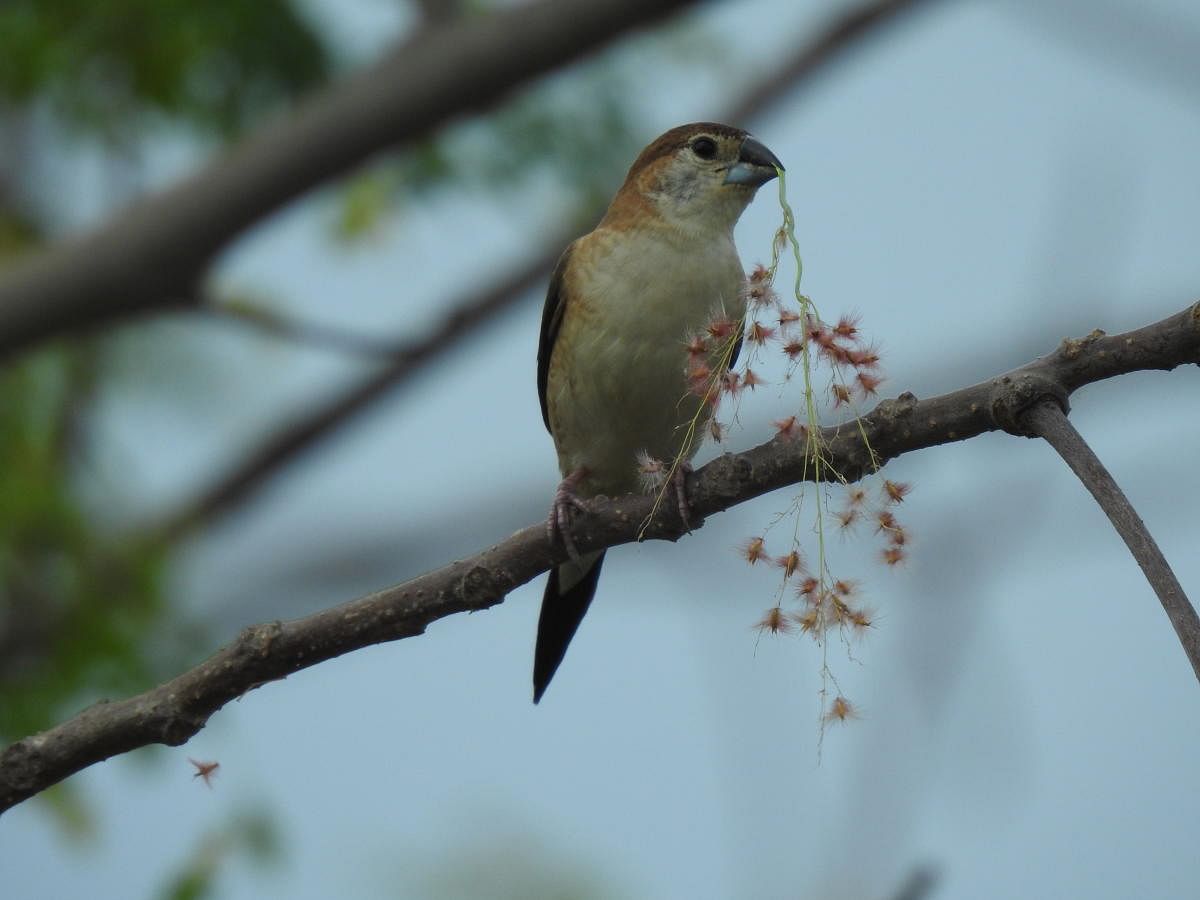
(809, 621)
(867, 384)
(205, 770)
(791, 564)
(844, 588)
(859, 619)
(758, 333)
(759, 294)
(775, 621)
(847, 327)
(652, 473)
(720, 327)
(867, 358)
(753, 550)
(788, 429)
(840, 710)
(808, 588)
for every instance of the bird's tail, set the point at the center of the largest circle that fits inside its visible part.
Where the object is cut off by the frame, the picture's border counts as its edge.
(568, 594)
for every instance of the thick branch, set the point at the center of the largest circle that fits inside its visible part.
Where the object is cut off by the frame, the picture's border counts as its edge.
(1047, 420)
(154, 253)
(173, 712)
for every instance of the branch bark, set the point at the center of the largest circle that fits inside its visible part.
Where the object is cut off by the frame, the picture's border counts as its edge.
(154, 254)
(1048, 420)
(173, 712)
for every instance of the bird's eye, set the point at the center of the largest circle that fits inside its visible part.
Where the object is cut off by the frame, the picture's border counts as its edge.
(704, 147)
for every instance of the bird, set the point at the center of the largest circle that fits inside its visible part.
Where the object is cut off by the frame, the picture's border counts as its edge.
(612, 367)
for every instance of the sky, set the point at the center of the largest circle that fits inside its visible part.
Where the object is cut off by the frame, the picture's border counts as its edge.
(986, 179)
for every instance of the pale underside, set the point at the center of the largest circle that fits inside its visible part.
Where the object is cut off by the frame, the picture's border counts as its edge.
(617, 382)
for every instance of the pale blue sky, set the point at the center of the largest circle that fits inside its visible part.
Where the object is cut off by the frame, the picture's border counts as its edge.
(980, 183)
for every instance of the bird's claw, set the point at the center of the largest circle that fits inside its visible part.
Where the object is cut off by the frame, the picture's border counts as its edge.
(558, 523)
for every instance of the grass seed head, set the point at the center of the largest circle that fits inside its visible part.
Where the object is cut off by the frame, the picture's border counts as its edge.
(753, 550)
(776, 621)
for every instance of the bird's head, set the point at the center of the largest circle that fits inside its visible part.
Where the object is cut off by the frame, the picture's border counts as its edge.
(698, 177)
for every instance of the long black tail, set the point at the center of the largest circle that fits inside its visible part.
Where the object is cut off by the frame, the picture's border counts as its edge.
(562, 611)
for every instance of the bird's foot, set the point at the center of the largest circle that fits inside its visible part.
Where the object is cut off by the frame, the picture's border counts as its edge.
(558, 523)
(679, 484)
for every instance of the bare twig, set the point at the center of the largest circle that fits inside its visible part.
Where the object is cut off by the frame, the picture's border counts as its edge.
(156, 252)
(290, 441)
(233, 487)
(1047, 420)
(847, 29)
(173, 712)
(303, 331)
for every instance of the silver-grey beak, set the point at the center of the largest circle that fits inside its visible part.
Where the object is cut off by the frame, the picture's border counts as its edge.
(756, 165)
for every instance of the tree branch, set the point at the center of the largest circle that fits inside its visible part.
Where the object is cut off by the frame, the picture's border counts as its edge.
(848, 29)
(1047, 420)
(153, 254)
(291, 440)
(301, 331)
(176, 710)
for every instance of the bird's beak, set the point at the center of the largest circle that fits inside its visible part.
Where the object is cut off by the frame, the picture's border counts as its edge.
(756, 165)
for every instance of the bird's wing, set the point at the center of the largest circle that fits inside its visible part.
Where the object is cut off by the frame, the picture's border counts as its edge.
(737, 348)
(552, 316)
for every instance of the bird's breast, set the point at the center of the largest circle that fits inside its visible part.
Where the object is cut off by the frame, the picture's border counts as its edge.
(617, 383)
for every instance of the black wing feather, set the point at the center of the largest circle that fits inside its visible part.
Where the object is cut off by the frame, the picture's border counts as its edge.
(552, 316)
(737, 349)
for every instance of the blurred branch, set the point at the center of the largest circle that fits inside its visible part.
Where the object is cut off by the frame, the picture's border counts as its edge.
(154, 254)
(1049, 421)
(287, 443)
(1152, 44)
(178, 709)
(301, 331)
(434, 11)
(919, 885)
(849, 29)
(470, 313)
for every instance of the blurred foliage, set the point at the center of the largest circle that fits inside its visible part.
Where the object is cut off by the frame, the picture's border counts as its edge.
(82, 610)
(101, 66)
(250, 835)
(75, 605)
(576, 133)
(72, 813)
(580, 135)
(513, 866)
(17, 235)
